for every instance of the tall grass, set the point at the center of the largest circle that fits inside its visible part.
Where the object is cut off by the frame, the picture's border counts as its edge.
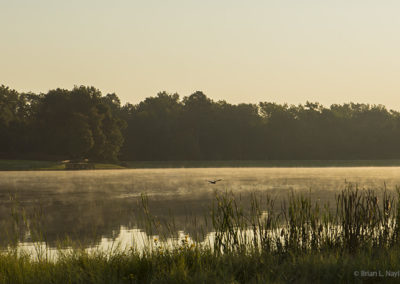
(359, 221)
(296, 240)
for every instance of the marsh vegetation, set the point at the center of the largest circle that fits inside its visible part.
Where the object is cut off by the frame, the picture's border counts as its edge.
(257, 224)
(255, 240)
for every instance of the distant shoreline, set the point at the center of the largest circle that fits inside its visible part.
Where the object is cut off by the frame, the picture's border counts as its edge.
(35, 165)
(27, 165)
(263, 164)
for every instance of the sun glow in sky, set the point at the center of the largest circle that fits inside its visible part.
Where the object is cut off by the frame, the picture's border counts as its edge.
(290, 51)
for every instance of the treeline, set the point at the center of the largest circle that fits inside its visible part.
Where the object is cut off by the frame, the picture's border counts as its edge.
(60, 124)
(82, 123)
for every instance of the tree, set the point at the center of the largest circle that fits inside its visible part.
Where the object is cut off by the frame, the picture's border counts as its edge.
(80, 137)
(79, 123)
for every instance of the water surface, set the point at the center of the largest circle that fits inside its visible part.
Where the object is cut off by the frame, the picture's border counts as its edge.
(93, 206)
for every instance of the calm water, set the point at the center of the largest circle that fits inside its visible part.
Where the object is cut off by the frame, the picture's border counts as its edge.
(95, 207)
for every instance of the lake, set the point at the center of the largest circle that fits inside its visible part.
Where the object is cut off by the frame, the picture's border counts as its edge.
(94, 207)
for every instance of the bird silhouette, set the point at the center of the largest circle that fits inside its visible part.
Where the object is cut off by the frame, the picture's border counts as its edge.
(214, 181)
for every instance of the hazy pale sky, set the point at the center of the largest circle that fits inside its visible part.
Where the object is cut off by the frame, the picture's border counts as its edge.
(290, 51)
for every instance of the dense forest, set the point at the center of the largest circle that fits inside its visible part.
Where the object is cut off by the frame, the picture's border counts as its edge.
(82, 123)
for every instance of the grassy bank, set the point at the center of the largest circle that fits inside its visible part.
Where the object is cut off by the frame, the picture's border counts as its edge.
(202, 266)
(260, 163)
(28, 165)
(357, 240)
(23, 165)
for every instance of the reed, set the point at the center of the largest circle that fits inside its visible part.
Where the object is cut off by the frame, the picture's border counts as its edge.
(254, 242)
(359, 221)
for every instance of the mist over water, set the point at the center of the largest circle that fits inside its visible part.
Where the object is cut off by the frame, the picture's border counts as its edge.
(89, 206)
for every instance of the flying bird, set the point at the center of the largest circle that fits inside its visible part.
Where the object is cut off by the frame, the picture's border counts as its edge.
(214, 181)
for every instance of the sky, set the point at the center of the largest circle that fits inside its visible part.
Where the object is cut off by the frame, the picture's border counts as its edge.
(285, 51)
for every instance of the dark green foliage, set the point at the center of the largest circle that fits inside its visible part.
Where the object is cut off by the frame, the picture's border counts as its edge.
(17, 111)
(81, 123)
(72, 124)
(197, 128)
